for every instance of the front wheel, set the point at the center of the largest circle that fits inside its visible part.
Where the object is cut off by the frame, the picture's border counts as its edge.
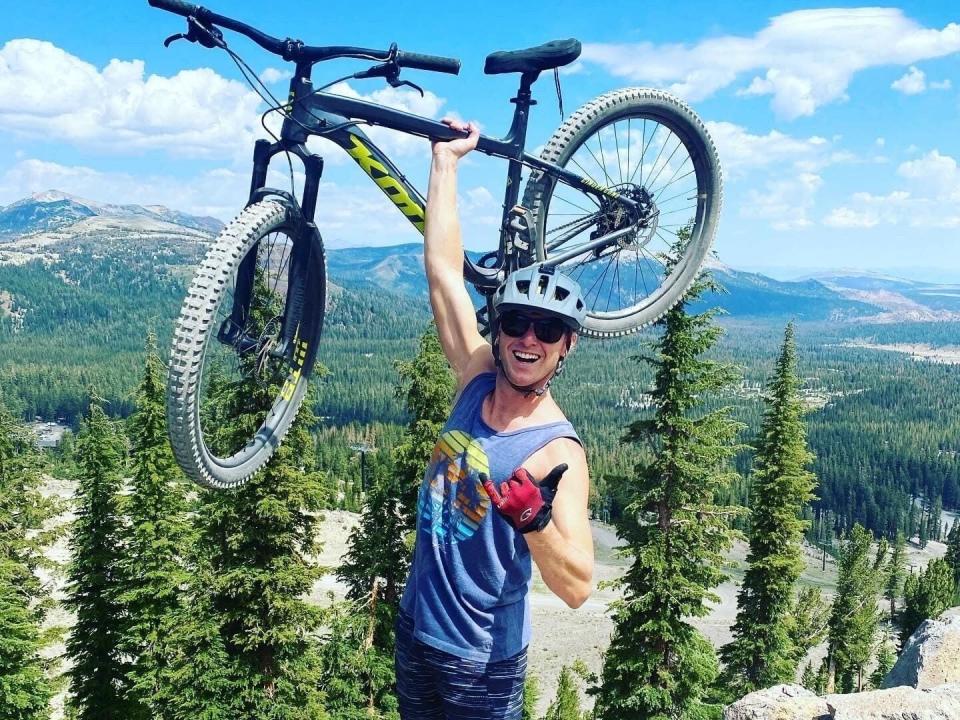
(245, 344)
(633, 261)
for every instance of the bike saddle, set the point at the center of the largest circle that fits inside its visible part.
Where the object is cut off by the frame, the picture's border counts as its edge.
(553, 54)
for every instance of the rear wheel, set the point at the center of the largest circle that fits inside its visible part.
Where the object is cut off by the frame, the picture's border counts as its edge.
(237, 377)
(649, 147)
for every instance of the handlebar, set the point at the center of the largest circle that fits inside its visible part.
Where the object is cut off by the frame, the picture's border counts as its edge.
(434, 63)
(177, 7)
(296, 51)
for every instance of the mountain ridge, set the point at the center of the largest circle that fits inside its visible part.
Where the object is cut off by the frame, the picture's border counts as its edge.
(48, 223)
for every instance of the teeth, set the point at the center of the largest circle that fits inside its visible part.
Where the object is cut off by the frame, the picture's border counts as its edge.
(525, 357)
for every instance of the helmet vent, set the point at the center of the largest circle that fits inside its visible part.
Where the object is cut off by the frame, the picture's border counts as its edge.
(562, 293)
(542, 284)
(523, 286)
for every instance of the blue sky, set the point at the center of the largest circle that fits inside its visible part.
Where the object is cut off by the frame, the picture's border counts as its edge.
(837, 127)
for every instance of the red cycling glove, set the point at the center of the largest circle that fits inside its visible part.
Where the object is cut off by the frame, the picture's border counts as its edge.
(526, 505)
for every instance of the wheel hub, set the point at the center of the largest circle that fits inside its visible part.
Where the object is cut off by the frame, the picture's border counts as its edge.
(641, 221)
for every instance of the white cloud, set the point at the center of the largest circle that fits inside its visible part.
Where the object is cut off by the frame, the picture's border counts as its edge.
(941, 85)
(45, 91)
(784, 203)
(930, 199)
(844, 217)
(933, 174)
(273, 75)
(740, 149)
(803, 59)
(913, 83)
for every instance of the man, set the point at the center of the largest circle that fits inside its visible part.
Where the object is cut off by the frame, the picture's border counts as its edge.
(464, 624)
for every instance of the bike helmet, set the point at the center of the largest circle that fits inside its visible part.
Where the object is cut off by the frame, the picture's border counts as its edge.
(544, 290)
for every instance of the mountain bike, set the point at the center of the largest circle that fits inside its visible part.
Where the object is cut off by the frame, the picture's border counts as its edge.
(624, 197)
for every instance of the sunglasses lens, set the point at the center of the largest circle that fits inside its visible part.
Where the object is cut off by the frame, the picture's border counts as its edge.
(548, 331)
(514, 324)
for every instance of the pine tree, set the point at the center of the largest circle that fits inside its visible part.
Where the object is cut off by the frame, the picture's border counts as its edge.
(24, 510)
(24, 689)
(657, 664)
(885, 660)
(357, 677)
(255, 549)
(158, 536)
(250, 621)
(895, 574)
(566, 705)
(99, 674)
(953, 554)
(854, 617)
(935, 524)
(807, 624)
(762, 652)
(531, 695)
(925, 596)
(923, 533)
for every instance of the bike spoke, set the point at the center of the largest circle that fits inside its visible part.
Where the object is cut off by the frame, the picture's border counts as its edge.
(616, 141)
(666, 162)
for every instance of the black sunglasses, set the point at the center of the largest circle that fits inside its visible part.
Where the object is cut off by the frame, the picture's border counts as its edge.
(547, 330)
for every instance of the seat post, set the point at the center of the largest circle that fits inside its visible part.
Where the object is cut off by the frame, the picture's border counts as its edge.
(517, 136)
(521, 115)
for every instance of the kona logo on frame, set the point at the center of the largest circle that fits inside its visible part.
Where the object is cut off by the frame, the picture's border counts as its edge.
(390, 186)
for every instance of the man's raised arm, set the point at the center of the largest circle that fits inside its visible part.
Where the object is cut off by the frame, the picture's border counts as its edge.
(466, 351)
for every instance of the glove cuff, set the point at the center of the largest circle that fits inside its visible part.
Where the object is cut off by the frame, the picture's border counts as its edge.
(540, 520)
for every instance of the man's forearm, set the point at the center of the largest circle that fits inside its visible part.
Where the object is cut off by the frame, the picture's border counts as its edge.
(443, 247)
(566, 569)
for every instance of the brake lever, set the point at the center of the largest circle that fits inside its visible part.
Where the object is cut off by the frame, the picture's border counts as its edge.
(396, 82)
(209, 37)
(173, 38)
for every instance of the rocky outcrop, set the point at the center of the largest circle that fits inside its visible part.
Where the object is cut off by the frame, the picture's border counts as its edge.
(932, 655)
(792, 702)
(923, 685)
(783, 702)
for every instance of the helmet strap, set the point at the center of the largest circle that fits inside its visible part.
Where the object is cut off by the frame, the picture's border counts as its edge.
(531, 389)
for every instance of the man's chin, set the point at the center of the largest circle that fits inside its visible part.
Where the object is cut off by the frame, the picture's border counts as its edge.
(525, 376)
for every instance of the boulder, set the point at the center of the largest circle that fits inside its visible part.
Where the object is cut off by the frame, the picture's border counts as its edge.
(792, 702)
(780, 702)
(931, 656)
(899, 703)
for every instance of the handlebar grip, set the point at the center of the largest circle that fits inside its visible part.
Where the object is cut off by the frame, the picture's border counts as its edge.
(177, 7)
(434, 63)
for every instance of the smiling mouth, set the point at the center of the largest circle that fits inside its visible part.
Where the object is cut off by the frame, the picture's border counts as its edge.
(525, 357)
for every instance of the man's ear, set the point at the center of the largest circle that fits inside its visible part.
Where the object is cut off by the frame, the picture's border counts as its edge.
(571, 341)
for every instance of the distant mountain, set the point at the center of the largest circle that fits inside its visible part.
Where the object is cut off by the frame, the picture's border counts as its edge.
(897, 298)
(54, 211)
(399, 268)
(48, 224)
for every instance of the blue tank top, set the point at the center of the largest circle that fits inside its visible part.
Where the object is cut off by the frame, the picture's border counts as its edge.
(468, 587)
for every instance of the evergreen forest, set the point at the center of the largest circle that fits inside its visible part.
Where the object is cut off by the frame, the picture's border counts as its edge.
(700, 430)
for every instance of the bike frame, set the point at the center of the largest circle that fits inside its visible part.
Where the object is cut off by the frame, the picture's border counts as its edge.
(337, 119)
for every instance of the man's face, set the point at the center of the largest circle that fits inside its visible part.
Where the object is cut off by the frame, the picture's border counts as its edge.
(531, 344)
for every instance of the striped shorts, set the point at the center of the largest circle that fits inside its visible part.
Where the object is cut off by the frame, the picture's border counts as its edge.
(434, 685)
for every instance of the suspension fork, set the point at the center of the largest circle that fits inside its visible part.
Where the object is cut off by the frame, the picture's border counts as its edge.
(304, 233)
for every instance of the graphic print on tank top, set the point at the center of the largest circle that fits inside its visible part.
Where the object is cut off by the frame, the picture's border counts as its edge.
(454, 503)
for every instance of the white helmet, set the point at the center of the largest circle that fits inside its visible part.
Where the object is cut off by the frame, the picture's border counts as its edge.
(544, 290)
